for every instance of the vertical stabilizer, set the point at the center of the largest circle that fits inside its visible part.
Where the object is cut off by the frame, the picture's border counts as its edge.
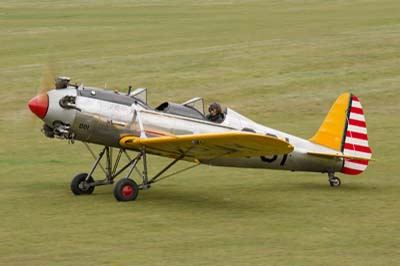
(344, 129)
(331, 132)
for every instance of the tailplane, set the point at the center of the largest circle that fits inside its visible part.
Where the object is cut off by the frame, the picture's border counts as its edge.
(344, 129)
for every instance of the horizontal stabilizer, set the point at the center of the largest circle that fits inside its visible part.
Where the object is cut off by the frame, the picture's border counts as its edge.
(338, 155)
(210, 145)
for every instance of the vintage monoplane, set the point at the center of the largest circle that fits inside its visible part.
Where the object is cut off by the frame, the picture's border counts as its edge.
(181, 131)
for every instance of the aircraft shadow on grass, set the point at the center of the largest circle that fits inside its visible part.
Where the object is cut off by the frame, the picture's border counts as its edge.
(265, 197)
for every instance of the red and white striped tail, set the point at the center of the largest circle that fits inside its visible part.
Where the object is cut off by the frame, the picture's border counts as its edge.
(356, 140)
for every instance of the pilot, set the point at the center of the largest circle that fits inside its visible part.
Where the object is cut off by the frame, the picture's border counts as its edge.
(215, 114)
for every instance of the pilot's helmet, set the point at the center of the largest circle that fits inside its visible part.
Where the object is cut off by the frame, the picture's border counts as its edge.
(215, 106)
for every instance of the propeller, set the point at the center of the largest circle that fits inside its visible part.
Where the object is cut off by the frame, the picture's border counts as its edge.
(47, 81)
(46, 84)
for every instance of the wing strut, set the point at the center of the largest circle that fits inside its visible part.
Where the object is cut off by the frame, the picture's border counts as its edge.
(136, 114)
(153, 180)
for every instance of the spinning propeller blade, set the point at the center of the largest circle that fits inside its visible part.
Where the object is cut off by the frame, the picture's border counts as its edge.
(38, 105)
(47, 82)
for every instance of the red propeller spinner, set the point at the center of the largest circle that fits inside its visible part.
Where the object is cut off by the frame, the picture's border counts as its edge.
(39, 105)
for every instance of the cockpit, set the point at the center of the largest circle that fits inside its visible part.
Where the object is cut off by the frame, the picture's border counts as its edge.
(193, 108)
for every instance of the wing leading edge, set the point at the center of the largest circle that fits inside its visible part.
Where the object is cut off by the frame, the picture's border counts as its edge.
(210, 145)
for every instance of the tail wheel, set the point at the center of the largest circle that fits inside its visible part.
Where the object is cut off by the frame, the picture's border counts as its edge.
(79, 185)
(126, 190)
(335, 181)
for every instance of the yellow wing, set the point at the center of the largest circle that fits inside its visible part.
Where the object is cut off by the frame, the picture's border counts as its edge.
(210, 145)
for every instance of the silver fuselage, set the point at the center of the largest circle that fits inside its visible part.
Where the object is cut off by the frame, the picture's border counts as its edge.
(104, 122)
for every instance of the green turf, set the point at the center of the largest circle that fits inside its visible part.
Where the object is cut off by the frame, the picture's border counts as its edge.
(281, 63)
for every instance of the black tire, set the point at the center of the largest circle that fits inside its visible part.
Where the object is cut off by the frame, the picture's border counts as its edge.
(78, 182)
(126, 190)
(335, 182)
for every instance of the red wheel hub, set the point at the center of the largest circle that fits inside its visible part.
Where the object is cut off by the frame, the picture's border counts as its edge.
(127, 191)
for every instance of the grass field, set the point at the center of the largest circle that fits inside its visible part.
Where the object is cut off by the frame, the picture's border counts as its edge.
(281, 63)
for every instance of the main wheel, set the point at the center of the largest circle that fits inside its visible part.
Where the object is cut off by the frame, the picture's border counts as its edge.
(335, 182)
(126, 189)
(79, 185)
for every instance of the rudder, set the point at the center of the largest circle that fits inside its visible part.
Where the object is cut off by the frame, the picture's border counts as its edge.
(355, 142)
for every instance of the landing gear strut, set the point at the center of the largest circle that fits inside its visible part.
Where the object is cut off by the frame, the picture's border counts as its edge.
(334, 181)
(126, 189)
